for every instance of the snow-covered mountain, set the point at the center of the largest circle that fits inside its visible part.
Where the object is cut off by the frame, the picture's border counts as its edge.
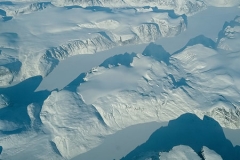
(156, 87)
(159, 26)
(180, 7)
(126, 89)
(42, 39)
(186, 137)
(222, 3)
(229, 36)
(187, 153)
(56, 40)
(13, 10)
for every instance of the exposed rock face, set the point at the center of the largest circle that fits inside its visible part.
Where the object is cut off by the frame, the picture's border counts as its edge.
(229, 36)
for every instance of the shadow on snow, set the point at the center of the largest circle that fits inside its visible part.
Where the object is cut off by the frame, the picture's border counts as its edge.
(188, 130)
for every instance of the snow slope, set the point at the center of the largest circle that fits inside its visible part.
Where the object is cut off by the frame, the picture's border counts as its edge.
(13, 9)
(222, 3)
(4, 101)
(202, 136)
(187, 153)
(210, 154)
(126, 89)
(39, 43)
(48, 32)
(229, 36)
(183, 152)
(180, 7)
(155, 87)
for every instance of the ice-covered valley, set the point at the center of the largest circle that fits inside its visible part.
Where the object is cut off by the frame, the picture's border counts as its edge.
(104, 66)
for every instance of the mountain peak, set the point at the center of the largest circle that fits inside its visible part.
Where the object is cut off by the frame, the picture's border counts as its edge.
(157, 52)
(122, 59)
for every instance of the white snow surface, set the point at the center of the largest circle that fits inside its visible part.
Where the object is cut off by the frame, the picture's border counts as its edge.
(180, 7)
(230, 35)
(179, 153)
(183, 152)
(42, 33)
(42, 39)
(84, 126)
(210, 154)
(130, 89)
(222, 3)
(202, 78)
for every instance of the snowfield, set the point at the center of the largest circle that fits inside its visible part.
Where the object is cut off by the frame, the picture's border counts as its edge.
(187, 137)
(222, 3)
(187, 153)
(184, 152)
(154, 85)
(39, 43)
